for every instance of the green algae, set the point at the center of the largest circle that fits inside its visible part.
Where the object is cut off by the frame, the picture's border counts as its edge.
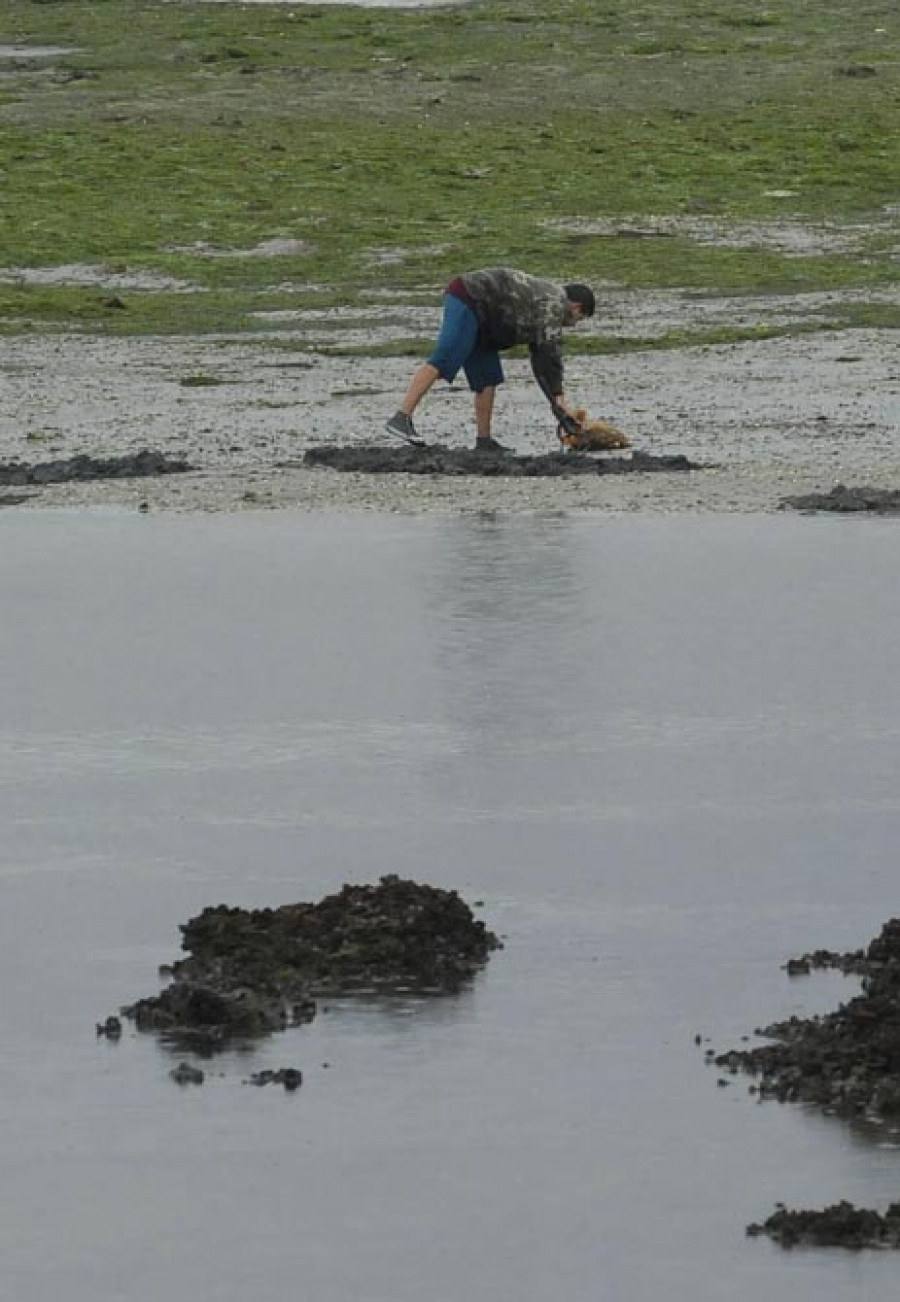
(398, 146)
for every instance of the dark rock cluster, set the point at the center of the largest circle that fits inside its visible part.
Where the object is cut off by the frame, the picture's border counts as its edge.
(394, 934)
(249, 972)
(291, 1078)
(844, 500)
(839, 1226)
(439, 460)
(187, 1074)
(205, 1017)
(132, 466)
(846, 1062)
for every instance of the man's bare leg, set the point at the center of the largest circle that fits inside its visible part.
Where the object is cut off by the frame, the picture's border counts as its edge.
(401, 423)
(422, 380)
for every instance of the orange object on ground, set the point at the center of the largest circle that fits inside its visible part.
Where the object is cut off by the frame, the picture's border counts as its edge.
(592, 435)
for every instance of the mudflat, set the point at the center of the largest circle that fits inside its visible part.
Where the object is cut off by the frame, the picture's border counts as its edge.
(767, 420)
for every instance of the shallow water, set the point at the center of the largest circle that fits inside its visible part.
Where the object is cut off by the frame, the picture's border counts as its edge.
(662, 752)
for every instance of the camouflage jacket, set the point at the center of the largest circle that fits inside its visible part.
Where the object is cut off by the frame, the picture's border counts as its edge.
(515, 308)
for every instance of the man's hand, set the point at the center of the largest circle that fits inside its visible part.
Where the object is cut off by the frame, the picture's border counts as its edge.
(566, 419)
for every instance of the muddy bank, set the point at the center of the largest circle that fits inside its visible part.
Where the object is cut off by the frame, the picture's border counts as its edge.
(251, 972)
(440, 460)
(64, 471)
(846, 1064)
(844, 500)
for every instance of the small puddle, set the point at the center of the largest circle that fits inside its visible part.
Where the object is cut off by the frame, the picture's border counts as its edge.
(98, 277)
(35, 51)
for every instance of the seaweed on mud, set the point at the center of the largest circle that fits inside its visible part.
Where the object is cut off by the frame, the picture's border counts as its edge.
(845, 501)
(439, 460)
(250, 972)
(131, 466)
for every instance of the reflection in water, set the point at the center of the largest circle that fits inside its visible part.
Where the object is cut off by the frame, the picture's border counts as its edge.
(404, 1010)
(590, 670)
(376, 1012)
(503, 595)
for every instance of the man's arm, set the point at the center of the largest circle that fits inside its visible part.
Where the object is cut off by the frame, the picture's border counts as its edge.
(547, 365)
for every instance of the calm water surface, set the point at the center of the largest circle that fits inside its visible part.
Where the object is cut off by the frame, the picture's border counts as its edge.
(662, 752)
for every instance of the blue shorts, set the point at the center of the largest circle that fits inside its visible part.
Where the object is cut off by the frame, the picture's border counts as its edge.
(458, 345)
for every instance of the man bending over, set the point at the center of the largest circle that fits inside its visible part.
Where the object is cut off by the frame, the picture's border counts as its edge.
(485, 312)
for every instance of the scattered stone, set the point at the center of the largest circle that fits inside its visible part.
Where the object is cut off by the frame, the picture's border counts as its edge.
(134, 465)
(185, 1074)
(253, 972)
(839, 1226)
(844, 500)
(290, 1077)
(440, 460)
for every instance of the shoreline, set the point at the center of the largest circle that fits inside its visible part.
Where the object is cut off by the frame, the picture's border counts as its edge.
(720, 490)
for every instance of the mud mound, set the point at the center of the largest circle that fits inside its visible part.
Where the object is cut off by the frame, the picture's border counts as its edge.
(136, 465)
(251, 972)
(839, 1226)
(843, 500)
(438, 460)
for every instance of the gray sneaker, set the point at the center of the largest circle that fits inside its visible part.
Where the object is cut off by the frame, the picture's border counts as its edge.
(491, 445)
(402, 427)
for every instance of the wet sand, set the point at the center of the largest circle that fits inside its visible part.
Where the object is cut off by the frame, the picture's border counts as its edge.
(769, 419)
